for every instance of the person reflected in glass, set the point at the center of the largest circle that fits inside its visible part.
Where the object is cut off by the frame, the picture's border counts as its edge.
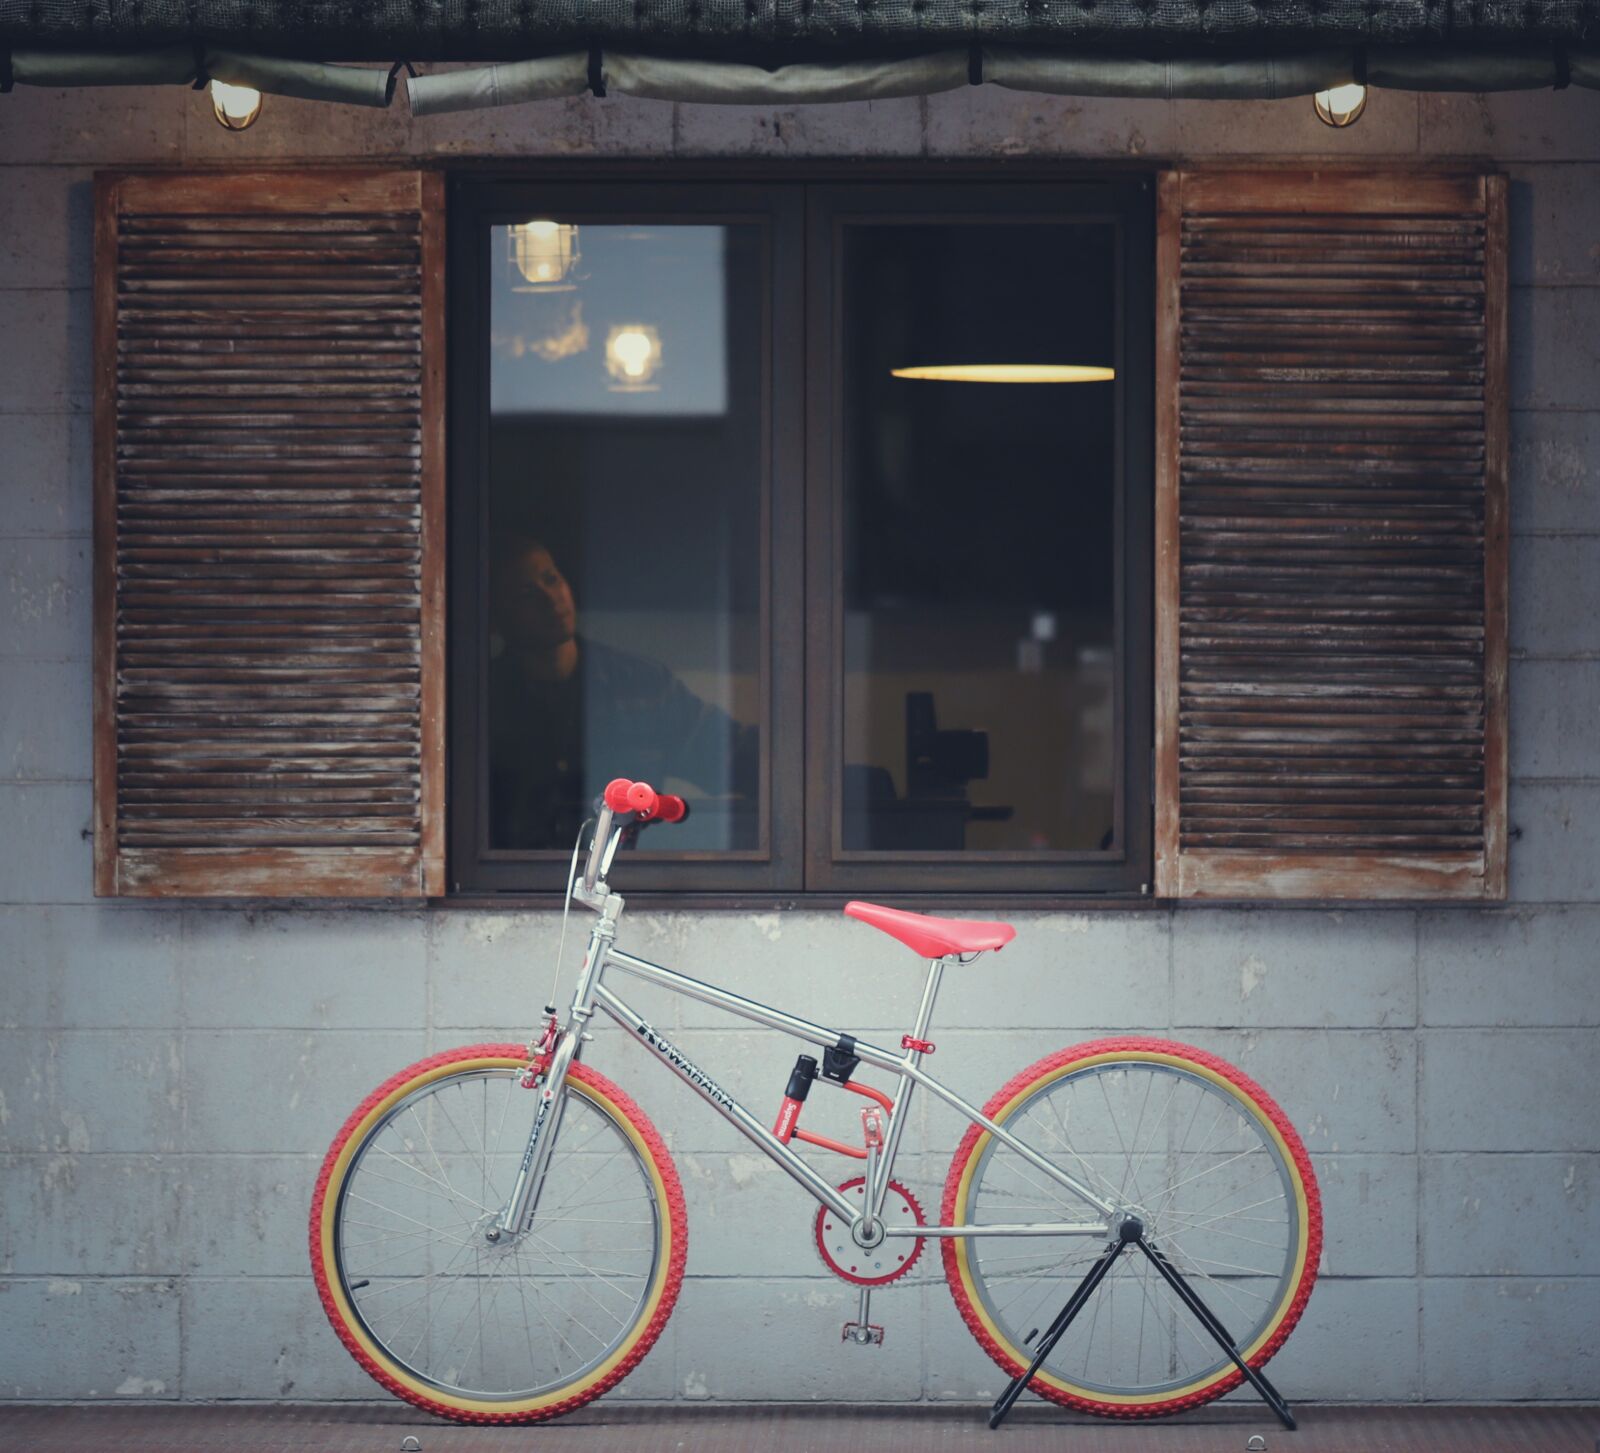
(568, 713)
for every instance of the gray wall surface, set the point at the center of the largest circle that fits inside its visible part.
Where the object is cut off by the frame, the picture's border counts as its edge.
(169, 1076)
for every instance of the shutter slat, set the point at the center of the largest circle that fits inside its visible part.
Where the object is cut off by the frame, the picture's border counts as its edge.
(1330, 657)
(269, 490)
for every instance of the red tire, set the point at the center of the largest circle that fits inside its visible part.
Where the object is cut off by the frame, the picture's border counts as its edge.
(1303, 1208)
(655, 1306)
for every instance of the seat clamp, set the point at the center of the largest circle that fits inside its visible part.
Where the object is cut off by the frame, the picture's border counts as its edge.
(922, 1046)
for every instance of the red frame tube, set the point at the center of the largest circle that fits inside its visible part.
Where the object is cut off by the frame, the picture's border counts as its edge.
(788, 1124)
(827, 1142)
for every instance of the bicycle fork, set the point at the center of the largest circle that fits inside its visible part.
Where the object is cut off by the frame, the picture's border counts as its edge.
(517, 1214)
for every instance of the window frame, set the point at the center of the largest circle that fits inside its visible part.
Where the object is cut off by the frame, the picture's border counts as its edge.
(1126, 867)
(800, 493)
(476, 204)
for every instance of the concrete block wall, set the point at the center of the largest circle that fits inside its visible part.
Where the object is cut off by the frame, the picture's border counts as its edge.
(169, 1075)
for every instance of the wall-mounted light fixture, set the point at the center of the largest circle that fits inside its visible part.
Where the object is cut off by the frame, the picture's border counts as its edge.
(236, 107)
(1008, 373)
(544, 253)
(1342, 106)
(633, 356)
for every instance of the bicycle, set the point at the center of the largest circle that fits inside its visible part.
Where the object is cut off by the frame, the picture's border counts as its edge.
(498, 1232)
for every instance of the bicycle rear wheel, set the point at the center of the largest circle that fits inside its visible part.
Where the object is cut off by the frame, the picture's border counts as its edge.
(526, 1327)
(1210, 1166)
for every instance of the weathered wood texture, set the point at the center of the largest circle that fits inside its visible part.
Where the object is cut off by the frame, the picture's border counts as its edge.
(1331, 537)
(269, 485)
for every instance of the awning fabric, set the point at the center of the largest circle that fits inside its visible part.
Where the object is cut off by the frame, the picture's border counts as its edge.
(720, 82)
(185, 65)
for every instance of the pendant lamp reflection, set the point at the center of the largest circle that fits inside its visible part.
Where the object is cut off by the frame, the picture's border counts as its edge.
(235, 107)
(1342, 106)
(633, 357)
(1007, 373)
(545, 255)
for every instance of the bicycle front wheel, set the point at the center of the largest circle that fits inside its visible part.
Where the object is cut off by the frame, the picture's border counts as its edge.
(1210, 1166)
(525, 1327)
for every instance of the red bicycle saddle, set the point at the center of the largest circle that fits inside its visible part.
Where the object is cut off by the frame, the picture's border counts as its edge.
(932, 937)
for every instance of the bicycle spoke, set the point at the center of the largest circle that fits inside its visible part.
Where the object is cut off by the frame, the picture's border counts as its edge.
(1181, 1154)
(520, 1314)
(448, 1200)
(438, 1164)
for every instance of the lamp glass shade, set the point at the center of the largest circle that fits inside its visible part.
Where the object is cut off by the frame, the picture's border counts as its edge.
(236, 107)
(1342, 106)
(544, 254)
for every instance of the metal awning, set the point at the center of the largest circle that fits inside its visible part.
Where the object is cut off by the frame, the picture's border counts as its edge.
(769, 33)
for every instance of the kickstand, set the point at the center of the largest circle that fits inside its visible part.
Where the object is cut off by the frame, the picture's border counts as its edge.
(1207, 1319)
(1131, 1232)
(1053, 1332)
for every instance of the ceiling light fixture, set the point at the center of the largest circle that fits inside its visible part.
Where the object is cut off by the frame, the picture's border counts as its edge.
(236, 107)
(1008, 373)
(545, 253)
(1342, 106)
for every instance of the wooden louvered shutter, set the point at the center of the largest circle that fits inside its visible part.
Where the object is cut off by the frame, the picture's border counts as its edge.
(269, 534)
(1331, 536)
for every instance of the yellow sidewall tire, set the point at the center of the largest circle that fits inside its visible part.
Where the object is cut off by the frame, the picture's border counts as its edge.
(655, 1309)
(1257, 1105)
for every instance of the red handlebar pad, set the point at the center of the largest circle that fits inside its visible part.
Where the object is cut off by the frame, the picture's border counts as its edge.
(621, 795)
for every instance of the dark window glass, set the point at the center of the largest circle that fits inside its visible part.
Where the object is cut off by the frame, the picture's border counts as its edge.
(979, 527)
(721, 519)
(624, 510)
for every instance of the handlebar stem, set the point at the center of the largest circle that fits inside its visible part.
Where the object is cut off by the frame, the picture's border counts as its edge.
(602, 831)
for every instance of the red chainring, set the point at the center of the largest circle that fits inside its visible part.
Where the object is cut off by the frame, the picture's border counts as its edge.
(891, 1259)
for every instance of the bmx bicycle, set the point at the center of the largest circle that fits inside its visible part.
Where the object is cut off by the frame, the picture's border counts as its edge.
(1129, 1227)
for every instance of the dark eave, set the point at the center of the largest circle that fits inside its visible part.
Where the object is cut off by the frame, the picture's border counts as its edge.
(771, 32)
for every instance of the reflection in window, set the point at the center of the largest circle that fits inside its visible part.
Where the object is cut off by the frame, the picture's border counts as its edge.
(980, 536)
(625, 446)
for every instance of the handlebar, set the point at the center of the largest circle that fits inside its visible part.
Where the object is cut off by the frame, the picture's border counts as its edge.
(623, 796)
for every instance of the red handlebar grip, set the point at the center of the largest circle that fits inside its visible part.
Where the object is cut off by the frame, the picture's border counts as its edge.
(622, 795)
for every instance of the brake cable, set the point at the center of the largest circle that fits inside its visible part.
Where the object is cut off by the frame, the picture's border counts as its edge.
(566, 912)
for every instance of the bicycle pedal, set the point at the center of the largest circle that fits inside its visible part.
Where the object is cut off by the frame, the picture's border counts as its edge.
(863, 1334)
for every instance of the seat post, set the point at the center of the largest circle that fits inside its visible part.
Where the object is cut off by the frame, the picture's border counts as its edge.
(877, 1191)
(930, 992)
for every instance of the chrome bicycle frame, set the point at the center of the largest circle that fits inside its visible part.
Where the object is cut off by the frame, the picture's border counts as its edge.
(593, 992)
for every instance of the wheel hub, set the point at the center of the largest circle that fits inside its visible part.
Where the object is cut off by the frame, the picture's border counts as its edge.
(491, 1234)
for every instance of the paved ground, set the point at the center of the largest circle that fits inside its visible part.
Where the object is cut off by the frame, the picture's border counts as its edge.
(235, 1428)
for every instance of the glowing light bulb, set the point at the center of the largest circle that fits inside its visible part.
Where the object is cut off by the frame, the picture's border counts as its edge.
(236, 107)
(1342, 106)
(633, 354)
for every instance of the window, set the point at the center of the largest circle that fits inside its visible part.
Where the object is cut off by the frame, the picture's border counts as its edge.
(1214, 583)
(722, 518)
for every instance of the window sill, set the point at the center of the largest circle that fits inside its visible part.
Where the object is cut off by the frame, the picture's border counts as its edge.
(985, 904)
